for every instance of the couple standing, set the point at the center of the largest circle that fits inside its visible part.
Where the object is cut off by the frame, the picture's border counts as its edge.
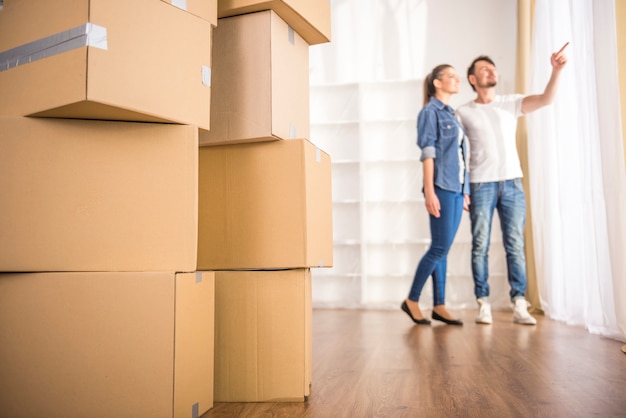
(491, 174)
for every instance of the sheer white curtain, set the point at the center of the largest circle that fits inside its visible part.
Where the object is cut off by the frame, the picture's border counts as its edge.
(577, 174)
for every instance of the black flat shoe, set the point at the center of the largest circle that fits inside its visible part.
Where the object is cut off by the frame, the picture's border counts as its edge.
(406, 309)
(438, 317)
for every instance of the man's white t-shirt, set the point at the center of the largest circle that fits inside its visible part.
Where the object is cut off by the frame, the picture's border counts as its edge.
(491, 130)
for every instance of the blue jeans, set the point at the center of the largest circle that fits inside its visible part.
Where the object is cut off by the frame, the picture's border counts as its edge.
(442, 232)
(508, 198)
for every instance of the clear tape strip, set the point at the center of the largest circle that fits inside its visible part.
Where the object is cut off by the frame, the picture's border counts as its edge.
(181, 4)
(83, 35)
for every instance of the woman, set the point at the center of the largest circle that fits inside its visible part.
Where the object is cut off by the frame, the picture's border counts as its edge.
(446, 188)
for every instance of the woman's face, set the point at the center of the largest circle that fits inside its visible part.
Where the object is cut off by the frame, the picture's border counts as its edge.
(449, 81)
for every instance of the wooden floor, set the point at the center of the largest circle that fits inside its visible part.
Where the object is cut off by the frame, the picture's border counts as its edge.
(378, 364)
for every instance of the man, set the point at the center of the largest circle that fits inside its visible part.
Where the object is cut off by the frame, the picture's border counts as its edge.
(490, 122)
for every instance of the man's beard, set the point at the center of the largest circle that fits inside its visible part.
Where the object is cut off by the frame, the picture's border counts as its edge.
(488, 84)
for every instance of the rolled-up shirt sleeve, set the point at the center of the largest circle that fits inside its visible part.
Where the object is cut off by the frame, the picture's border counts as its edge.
(427, 133)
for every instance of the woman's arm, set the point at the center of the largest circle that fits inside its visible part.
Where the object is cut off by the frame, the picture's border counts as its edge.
(432, 201)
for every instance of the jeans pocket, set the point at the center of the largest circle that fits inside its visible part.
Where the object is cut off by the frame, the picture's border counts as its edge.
(518, 185)
(474, 187)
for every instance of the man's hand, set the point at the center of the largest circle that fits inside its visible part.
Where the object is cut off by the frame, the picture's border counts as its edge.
(558, 59)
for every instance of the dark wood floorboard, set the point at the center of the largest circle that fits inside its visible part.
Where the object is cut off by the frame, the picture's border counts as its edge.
(378, 364)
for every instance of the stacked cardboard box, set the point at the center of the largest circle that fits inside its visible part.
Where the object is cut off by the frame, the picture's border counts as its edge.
(265, 209)
(310, 18)
(144, 60)
(106, 344)
(102, 310)
(111, 210)
(260, 81)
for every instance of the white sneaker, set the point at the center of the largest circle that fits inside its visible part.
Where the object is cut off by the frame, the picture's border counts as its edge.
(520, 312)
(484, 314)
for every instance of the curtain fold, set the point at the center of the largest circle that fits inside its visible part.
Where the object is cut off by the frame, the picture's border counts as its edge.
(577, 174)
(524, 35)
(620, 11)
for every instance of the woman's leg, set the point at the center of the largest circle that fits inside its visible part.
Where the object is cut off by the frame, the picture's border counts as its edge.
(455, 209)
(442, 231)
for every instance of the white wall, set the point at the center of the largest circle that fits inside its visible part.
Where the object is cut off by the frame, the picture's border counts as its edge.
(376, 40)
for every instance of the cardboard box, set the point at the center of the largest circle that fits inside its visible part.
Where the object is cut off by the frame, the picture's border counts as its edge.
(265, 205)
(263, 336)
(97, 196)
(106, 344)
(140, 60)
(310, 18)
(206, 9)
(260, 81)
(194, 342)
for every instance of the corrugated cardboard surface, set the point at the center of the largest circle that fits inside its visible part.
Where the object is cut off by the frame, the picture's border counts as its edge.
(264, 205)
(151, 70)
(310, 18)
(260, 81)
(105, 344)
(194, 338)
(263, 342)
(206, 9)
(97, 196)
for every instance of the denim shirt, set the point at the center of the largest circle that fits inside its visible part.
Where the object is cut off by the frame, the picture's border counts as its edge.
(438, 137)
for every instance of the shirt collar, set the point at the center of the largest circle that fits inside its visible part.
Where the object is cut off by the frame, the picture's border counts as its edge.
(440, 105)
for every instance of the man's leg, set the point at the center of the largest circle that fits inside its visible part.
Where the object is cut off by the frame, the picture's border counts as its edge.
(483, 201)
(512, 211)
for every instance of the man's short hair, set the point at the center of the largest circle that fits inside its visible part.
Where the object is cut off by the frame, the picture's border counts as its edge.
(471, 68)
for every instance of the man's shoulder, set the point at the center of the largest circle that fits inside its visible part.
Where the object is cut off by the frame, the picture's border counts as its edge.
(465, 106)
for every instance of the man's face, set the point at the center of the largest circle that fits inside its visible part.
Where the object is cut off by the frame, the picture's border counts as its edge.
(485, 75)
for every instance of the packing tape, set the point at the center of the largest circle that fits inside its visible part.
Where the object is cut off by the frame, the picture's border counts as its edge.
(198, 277)
(291, 35)
(206, 75)
(318, 155)
(83, 35)
(181, 4)
(195, 409)
(292, 131)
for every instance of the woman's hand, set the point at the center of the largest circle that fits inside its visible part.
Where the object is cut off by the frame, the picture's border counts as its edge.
(466, 202)
(432, 203)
